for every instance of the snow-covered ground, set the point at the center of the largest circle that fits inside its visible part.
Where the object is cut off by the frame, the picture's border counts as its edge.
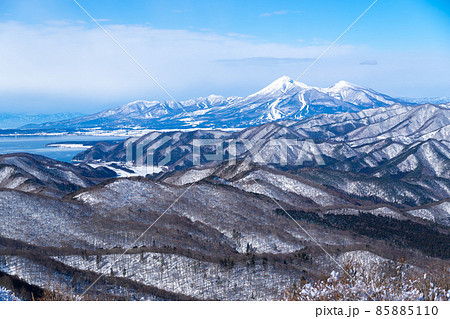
(128, 169)
(188, 276)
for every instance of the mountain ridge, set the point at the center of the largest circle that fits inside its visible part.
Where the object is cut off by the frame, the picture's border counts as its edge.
(282, 99)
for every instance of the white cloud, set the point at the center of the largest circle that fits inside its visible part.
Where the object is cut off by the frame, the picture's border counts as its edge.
(79, 61)
(240, 35)
(265, 61)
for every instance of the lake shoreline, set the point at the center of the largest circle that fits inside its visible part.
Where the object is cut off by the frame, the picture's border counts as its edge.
(60, 147)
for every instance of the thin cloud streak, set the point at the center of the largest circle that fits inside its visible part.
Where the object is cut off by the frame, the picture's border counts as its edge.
(80, 60)
(279, 12)
(369, 62)
(263, 61)
(61, 64)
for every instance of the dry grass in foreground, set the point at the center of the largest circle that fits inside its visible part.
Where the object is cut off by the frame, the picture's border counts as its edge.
(385, 281)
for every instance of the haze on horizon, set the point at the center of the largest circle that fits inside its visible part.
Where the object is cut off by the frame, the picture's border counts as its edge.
(53, 58)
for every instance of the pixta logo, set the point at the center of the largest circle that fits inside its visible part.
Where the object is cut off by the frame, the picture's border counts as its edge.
(160, 151)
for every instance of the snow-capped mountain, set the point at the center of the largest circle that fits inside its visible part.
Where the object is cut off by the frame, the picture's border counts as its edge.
(282, 99)
(380, 188)
(425, 100)
(359, 95)
(398, 154)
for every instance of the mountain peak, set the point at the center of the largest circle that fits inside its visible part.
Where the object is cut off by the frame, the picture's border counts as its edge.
(282, 84)
(344, 84)
(284, 98)
(285, 79)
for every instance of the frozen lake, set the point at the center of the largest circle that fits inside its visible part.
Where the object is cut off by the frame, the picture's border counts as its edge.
(36, 145)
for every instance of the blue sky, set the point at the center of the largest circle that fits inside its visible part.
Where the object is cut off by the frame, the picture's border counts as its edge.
(53, 58)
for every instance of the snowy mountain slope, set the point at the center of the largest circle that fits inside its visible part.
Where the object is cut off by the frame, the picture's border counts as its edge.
(159, 143)
(205, 280)
(424, 122)
(43, 221)
(50, 280)
(282, 99)
(379, 140)
(381, 190)
(246, 214)
(390, 159)
(39, 174)
(12, 177)
(267, 138)
(382, 170)
(285, 188)
(429, 158)
(322, 188)
(433, 212)
(405, 124)
(223, 238)
(398, 192)
(282, 186)
(366, 149)
(50, 222)
(357, 95)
